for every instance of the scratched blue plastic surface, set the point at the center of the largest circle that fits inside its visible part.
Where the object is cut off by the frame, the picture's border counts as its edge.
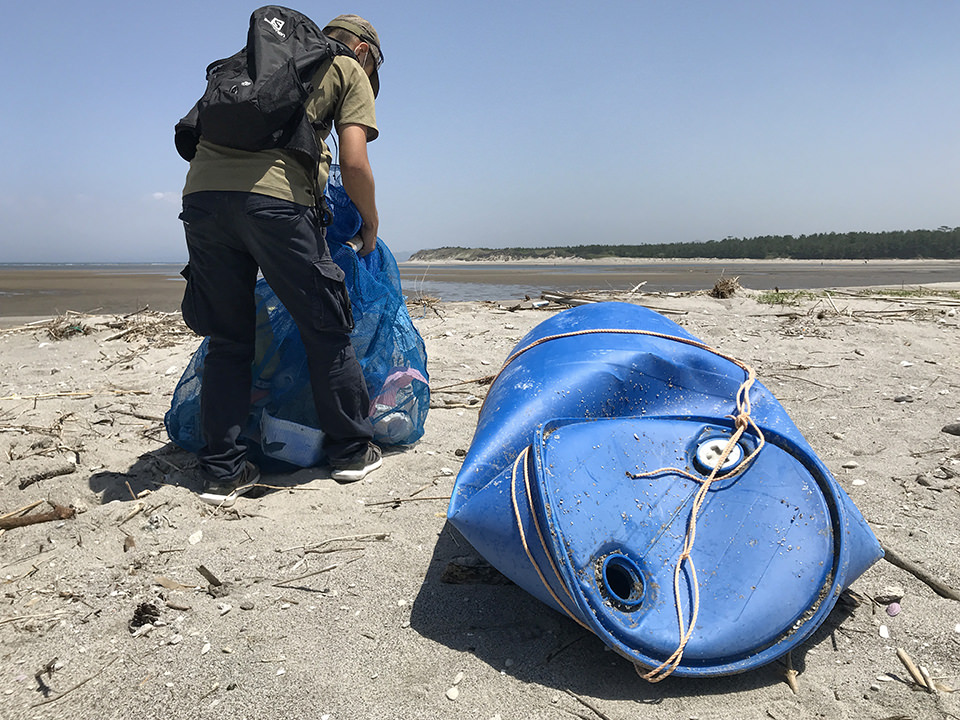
(774, 547)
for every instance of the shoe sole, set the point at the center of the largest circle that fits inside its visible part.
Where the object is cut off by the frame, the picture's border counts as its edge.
(355, 475)
(226, 500)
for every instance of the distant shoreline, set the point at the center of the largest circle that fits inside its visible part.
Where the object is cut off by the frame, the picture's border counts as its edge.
(668, 261)
(148, 268)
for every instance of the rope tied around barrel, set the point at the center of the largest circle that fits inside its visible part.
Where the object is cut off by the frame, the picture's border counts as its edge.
(742, 422)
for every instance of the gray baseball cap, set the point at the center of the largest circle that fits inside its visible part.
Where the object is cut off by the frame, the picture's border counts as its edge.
(363, 30)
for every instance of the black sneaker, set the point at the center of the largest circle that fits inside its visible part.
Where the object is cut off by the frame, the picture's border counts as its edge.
(224, 493)
(357, 467)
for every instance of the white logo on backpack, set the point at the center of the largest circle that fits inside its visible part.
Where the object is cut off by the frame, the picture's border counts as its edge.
(277, 25)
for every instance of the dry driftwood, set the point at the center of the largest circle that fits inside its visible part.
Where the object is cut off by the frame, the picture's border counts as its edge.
(564, 299)
(940, 588)
(59, 512)
(55, 471)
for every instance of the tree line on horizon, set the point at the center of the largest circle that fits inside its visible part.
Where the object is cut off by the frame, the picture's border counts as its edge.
(941, 244)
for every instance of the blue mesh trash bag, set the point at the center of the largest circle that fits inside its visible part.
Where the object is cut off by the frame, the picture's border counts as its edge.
(282, 428)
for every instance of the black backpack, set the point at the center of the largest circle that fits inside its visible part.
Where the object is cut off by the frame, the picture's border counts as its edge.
(255, 99)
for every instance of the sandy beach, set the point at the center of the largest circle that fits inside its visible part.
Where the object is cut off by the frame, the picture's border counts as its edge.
(336, 602)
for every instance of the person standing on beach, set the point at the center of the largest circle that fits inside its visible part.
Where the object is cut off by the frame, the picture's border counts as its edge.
(248, 211)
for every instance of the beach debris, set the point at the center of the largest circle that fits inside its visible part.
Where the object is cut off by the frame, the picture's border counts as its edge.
(48, 670)
(425, 302)
(209, 576)
(911, 667)
(791, 675)
(162, 329)
(60, 468)
(884, 632)
(564, 299)
(921, 676)
(24, 510)
(321, 547)
(592, 708)
(889, 594)
(527, 304)
(167, 328)
(14, 520)
(567, 460)
(174, 604)
(397, 502)
(138, 508)
(904, 399)
(453, 692)
(146, 613)
(939, 587)
(951, 429)
(144, 629)
(328, 568)
(67, 326)
(726, 287)
(927, 680)
(169, 584)
(78, 685)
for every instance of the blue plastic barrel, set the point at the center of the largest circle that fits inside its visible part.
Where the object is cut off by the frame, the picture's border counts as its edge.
(590, 451)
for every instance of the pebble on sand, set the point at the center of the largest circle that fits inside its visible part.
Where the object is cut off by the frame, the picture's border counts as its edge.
(890, 594)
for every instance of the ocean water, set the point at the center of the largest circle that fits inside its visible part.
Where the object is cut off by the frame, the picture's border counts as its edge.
(501, 281)
(43, 290)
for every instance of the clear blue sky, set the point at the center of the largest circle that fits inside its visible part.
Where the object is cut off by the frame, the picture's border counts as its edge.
(512, 123)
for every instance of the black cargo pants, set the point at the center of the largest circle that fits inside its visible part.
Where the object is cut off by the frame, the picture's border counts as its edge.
(230, 235)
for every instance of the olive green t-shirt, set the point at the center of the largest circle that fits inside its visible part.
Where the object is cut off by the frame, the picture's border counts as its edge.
(341, 96)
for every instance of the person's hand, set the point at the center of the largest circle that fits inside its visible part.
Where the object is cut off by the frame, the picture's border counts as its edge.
(369, 237)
